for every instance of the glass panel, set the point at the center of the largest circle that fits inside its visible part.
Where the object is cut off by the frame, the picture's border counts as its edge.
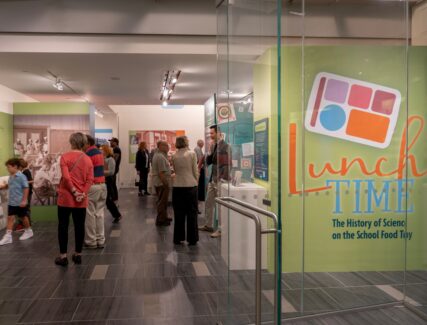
(247, 119)
(351, 150)
(351, 93)
(416, 276)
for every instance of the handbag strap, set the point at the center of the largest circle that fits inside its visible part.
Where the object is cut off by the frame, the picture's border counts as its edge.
(75, 163)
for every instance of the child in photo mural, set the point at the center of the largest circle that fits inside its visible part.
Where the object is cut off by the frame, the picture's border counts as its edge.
(18, 201)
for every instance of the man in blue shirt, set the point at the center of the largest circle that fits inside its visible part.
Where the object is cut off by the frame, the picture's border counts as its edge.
(18, 201)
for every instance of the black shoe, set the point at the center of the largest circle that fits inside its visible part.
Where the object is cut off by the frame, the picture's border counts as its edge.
(101, 246)
(177, 243)
(147, 194)
(170, 220)
(77, 259)
(192, 244)
(61, 261)
(117, 220)
(140, 194)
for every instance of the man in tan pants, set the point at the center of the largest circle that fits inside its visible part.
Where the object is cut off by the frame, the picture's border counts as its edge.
(161, 173)
(97, 196)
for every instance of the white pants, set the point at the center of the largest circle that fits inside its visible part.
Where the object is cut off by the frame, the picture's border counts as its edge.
(94, 224)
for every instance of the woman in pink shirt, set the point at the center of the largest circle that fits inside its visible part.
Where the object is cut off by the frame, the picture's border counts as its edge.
(77, 177)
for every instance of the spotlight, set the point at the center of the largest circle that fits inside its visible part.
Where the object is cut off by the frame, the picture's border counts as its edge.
(165, 103)
(99, 114)
(170, 79)
(58, 85)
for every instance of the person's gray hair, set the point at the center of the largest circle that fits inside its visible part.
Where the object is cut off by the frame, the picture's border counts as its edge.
(161, 142)
(181, 142)
(78, 140)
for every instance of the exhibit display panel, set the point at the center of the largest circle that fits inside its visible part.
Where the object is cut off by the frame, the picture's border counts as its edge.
(6, 140)
(338, 121)
(41, 134)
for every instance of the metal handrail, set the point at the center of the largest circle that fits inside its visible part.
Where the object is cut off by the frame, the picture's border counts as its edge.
(231, 203)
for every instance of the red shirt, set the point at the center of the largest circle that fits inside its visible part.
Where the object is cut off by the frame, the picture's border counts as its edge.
(98, 164)
(77, 172)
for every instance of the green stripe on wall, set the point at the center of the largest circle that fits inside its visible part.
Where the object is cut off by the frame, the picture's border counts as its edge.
(6, 140)
(44, 213)
(50, 108)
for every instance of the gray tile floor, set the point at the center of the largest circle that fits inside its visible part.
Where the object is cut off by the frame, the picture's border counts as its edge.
(140, 277)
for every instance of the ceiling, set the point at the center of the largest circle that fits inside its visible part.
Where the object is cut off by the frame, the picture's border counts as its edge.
(94, 77)
(118, 51)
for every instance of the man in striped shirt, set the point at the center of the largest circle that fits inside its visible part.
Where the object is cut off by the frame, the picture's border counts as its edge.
(97, 196)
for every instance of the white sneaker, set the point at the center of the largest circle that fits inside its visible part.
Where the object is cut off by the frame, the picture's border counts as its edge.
(27, 234)
(7, 239)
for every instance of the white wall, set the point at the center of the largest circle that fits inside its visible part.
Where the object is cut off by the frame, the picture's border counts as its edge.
(152, 117)
(9, 96)
(108, 121)
(419, 24)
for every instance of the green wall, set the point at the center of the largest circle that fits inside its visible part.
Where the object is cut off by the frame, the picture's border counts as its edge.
(6, 140)
(308, 218)
(50, 108)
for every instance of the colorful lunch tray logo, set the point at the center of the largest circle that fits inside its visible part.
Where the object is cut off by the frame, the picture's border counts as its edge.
(352, 110)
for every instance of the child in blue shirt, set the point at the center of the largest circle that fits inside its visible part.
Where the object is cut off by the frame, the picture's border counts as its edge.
(18, 201)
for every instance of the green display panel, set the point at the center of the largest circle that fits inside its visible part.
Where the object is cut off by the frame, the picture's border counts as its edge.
(353, 156)
(40, 135)
(6, 140)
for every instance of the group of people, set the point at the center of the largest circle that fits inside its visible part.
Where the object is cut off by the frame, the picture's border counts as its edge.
(88, 185)
(185, 173)
(20, 192)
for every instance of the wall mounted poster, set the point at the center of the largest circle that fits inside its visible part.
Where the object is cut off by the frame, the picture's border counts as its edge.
(261, 149)
(354, 167)
(40, 140)
(210, 119)
(103, 135)
(151, 138)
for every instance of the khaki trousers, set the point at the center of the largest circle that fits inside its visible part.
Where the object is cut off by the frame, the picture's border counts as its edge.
(211, 194)
(162, 204)
(94, 225)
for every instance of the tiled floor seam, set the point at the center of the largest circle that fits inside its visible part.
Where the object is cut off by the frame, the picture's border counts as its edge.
(397, 294)
(56, 289)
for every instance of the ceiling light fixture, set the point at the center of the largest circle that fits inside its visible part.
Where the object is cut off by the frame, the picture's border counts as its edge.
(170, 79)
(99, 114)
(59, 85)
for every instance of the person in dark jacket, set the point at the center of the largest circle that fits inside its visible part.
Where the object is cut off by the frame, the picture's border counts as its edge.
(142, 165)
(109, 169)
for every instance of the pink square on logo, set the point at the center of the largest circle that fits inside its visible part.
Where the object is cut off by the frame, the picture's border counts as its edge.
(360, 96)
(383, 102)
